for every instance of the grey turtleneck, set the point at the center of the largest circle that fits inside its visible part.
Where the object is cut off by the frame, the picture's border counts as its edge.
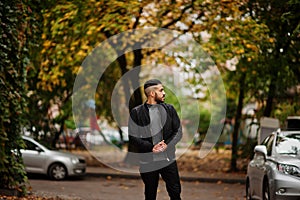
(156, 129)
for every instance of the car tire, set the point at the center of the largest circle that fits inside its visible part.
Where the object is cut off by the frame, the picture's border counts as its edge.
(57, 171)
(266, 190)
(248, 191)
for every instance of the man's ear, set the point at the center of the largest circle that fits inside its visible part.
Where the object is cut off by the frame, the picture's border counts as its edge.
(152, 93)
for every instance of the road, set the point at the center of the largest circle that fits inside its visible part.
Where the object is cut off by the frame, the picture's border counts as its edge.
(108, 188)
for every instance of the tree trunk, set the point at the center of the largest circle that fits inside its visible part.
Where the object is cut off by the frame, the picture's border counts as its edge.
(271, 95)
(238, 116)
(126, 87)
(57, 134)
(135, 81)
(136, 99)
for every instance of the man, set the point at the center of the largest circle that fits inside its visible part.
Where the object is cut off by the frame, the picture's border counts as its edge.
(155, 129)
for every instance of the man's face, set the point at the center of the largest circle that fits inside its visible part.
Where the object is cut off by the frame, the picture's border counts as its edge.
(159, 94)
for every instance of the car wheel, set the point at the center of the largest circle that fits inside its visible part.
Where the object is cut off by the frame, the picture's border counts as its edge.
(248, 192)
(57, 171)
(266, 190)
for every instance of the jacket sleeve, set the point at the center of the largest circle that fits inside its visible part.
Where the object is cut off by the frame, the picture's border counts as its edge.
(176, 128)
(135, 137)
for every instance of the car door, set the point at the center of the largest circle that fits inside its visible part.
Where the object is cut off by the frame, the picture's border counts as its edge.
(256, 170)
(264, 164)
(33, 157)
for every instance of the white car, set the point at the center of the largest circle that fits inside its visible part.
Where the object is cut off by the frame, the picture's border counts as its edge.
(274, 172)
(57, 165)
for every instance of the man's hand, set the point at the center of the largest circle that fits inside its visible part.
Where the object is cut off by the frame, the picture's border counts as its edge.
(160, 147)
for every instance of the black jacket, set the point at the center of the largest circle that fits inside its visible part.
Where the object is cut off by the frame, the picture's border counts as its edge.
(140, 135)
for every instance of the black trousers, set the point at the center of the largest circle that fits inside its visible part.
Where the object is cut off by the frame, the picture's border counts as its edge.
(169, 174)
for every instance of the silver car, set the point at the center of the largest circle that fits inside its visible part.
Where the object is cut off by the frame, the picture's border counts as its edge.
(57, 165)
(274, 171)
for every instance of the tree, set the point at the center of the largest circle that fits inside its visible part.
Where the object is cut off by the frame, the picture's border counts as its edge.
(282, 19)
(251, 36)
(238, 39)
(73, 29)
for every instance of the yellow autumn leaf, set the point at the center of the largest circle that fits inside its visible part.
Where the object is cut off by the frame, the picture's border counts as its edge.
(47, 43)
(75, 43)
(81, 53)
(76, 69)
(90, 32)
(248, 46)
(45, 63)
(240, 51)
(91, 20)
(251, 46)
(49, 88)
(100, 28)
(63, 83)
(271, 40)
(85, 47)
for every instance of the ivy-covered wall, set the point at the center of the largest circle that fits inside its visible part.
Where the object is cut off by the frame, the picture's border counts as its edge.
(13, 61)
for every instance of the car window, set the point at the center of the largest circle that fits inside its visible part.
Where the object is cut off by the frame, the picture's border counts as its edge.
(289, 144)
(29, 145)
(269, 145)
(266, 140)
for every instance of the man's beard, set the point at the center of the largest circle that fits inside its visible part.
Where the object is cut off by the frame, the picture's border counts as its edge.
(158, 100)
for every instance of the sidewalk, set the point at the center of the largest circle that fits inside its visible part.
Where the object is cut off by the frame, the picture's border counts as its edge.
(184, 175)
(213, 168)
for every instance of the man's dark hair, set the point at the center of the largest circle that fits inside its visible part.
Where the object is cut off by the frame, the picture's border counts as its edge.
(151, 82)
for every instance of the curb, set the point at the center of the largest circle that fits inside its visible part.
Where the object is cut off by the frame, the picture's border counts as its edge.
(214, 180)
(183, 178)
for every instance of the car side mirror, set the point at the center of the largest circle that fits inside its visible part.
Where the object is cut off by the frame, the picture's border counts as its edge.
(38, 149)
(261, 148)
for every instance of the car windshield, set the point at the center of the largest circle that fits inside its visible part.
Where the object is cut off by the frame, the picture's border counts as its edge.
(289, 144)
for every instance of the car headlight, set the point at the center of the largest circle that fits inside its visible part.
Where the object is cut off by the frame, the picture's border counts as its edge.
(75, 160)
(288, 169)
